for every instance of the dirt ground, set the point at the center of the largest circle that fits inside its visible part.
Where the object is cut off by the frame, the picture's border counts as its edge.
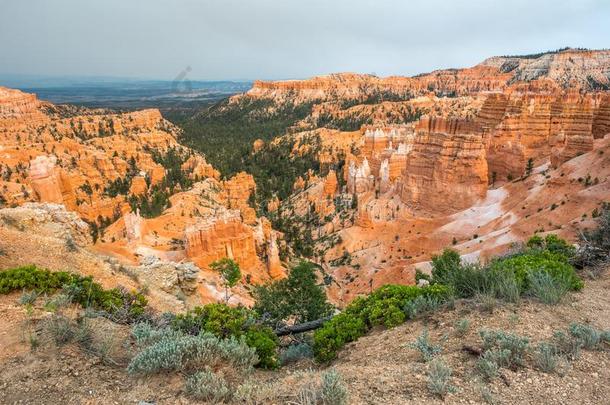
(379, 368)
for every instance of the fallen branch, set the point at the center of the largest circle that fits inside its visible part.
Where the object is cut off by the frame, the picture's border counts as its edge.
(301, 327)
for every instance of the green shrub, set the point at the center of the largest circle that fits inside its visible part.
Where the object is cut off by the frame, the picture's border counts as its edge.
(342, 329)
(207, 386)
(220, 319)
(264, 341)
(32, 278)
(333, 390)
(507, 277)
(385, 306)
(81, 290)
(439, 378)
(523, 265)
(553, 244)
(420, 275)
(426, 349)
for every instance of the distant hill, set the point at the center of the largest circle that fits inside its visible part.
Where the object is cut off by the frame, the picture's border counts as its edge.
(124, 93)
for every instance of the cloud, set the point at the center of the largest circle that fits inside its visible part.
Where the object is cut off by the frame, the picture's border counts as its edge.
(272, 39)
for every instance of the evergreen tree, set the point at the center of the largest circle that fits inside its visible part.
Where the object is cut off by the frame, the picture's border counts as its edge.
(529, 167)
(229, 272)
(297, 298)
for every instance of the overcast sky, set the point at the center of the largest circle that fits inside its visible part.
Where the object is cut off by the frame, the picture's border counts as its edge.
(279, 39)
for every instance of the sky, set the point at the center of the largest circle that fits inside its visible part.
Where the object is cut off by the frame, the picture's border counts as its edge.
(283, 39)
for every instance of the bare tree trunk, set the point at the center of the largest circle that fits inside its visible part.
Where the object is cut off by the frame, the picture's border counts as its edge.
(301, 327)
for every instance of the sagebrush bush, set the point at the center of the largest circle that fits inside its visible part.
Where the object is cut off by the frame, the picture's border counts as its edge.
(426, 349)
(207, 386)
(422, 306)
(578, 337)
(546, 357)
(566, 345)
(333, 390)
(503, 285)
(487, 395)
(308, 394)
(28, 297)
(383, 307)
(511, 347)
(487, 365)
(295, 353)
(439, 378)
(145, 334)
(253, 393)
(225, 321)
(60, 329)
(186, 352)
(487, 301)
(586, 335)
(462, 326)
(57, 302)
(547, 289)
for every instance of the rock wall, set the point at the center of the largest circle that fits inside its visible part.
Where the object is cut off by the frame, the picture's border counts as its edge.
(521, 126)
(447, 167)
(222, 236)
(237, 191)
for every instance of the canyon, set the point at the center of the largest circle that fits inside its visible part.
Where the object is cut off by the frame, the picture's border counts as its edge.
(478, 159)
(143, 197)
(497, 152)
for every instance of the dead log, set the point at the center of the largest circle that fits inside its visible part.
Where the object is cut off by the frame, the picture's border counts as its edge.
(301, 327)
